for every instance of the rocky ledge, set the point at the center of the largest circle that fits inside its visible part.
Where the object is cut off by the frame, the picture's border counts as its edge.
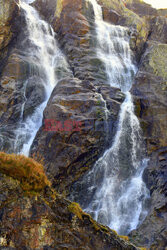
(34, 216)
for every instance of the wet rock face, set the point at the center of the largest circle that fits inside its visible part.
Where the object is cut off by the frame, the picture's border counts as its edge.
(86, 99)
(20, 94)
(150, 93)
(75, 131)
(42, 219)
(69, 155)
(9, 13)
(21, 87)
(122, 13)
(80, 105)
(10, 67)
(152, 232)
(73, 21)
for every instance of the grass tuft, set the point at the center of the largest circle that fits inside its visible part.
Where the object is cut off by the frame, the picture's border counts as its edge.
(29, 172)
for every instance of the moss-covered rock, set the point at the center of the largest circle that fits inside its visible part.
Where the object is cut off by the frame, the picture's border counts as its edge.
(42, 219)
(158, 60)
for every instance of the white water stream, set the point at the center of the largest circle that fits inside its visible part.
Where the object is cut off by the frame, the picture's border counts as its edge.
(118, 193)
(46, 57)
(115, 184)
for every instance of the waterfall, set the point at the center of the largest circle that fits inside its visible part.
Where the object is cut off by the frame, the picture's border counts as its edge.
(45, 62)
(115, 192)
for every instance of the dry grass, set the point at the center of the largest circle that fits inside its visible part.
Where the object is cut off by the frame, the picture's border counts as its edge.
(29, 172)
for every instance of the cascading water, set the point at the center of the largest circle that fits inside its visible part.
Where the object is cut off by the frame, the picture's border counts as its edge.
(116, 194)
(46, 60)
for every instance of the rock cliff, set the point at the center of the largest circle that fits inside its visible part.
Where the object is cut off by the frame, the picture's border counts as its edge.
(33, 216)
(83, 96)
(86, 98)
(150, 93)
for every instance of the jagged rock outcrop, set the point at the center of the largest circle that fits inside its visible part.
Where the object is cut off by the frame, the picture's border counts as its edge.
(33, 216)
(8, 29)
(75, 130)
(150, 92)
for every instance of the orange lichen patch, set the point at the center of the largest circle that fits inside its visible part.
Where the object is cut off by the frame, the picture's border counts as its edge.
(73, 104)
(76, 92)
(29, 172)
(6, 81)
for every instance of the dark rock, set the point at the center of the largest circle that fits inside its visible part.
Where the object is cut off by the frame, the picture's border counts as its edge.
(69, 153)
(9, 20)
(152, 232)
(111, 16)
(74, 25)
(42, 219)
(150, 92)
(158, 29)
(141, 8)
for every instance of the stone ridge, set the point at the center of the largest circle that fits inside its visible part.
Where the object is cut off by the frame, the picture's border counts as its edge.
(39, 218)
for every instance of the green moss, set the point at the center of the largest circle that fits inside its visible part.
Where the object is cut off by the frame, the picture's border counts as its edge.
(114, 232)
(100, 114)
(98, 103)
(158, 60)
(76, 209)
(6, 8)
